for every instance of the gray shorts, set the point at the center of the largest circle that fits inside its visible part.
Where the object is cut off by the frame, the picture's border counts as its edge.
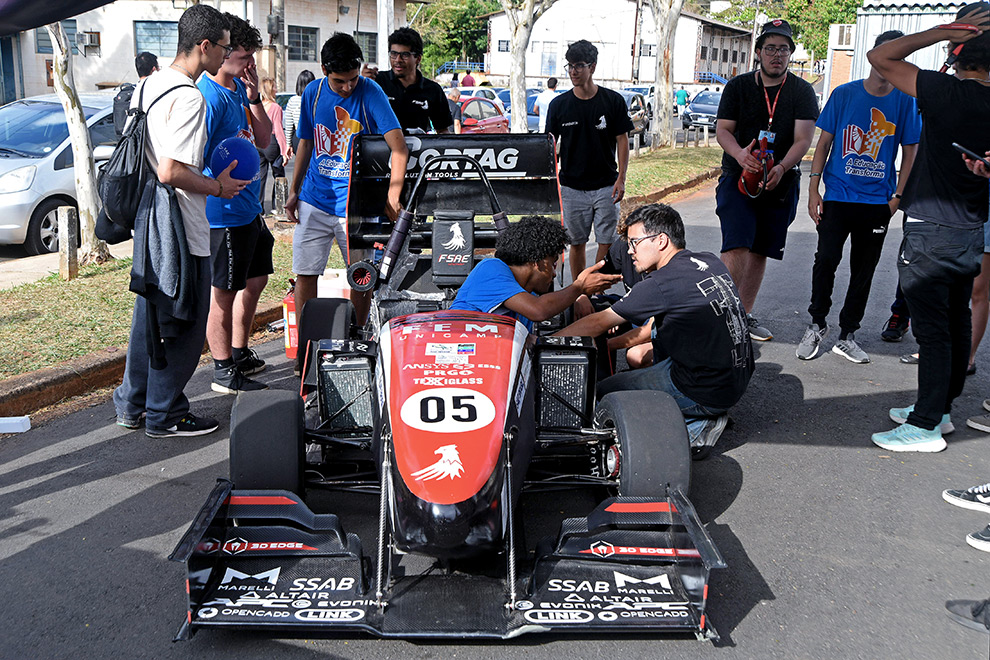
(314, 237)
(586, 208)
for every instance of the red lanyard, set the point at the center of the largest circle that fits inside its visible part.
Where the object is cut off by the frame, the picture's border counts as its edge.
(771, 109)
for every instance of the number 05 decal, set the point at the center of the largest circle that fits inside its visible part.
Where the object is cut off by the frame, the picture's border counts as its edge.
(448, 410)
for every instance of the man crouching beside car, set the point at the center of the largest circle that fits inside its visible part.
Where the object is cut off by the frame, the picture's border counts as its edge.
(703, 356)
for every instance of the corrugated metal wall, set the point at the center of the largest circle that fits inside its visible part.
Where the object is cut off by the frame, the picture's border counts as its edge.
(876, 16)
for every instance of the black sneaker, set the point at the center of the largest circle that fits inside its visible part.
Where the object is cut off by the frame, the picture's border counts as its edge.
(229, 380)
(130, 422)
(976, 498)
(189, 425)
(897, 326)
(980, 540)
(250, 363)
(973, 614)
(709, 436)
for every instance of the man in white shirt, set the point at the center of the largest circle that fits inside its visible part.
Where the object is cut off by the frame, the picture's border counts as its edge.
(543, 102)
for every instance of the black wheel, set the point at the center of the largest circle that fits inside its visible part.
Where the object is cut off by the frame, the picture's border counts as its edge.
(651, 450)
(42, 233)
(324, 318)
(266, 441)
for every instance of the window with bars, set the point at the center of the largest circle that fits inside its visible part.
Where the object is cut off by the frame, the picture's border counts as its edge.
(647, 50)
(503, 45)
(303, 43)
(43, 42)
(845, 35)
(704, 52)
(368, 41)
(158, 37)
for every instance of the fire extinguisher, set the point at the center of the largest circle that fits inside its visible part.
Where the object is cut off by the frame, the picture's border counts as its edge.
(291, 326)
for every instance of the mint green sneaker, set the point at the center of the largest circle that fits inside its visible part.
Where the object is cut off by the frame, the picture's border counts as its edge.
(908, 437)
(900, 416)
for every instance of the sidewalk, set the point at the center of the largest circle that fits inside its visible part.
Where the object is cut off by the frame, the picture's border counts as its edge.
(31, 269)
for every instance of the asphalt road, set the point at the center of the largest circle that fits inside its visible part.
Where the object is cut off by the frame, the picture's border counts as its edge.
(835, 548)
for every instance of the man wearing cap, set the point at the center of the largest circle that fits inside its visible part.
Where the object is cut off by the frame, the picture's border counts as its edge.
(776, 106)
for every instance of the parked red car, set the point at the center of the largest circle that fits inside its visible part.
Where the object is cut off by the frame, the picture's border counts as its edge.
(479, 115)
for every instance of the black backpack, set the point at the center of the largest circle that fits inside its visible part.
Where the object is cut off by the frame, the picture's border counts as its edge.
(127, 170)
(121, 104)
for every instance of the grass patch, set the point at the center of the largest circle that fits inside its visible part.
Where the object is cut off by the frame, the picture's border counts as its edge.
(51, 321)
(666, 167)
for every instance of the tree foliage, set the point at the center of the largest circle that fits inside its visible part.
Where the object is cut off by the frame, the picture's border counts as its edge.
(452, 30)
(811, 20)
(743, 12)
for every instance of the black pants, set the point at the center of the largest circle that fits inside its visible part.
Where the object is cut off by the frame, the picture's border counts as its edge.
(866, 224)
(270, 157)
(937, 265)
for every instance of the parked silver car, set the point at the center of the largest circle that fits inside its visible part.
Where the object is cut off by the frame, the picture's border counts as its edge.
(36, 173)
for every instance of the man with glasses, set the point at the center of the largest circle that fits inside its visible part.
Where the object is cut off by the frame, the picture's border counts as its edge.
(151, 392)
(516, 281)
(703, 356)
(776, 106)
(240, 242)
(592, 127)
(418, 102)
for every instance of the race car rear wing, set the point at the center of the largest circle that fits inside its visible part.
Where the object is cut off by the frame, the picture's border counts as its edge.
(522, 169)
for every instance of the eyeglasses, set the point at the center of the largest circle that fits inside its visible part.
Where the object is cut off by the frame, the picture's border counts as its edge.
(634, 242)
(400, 54)
(774, 50)
(227, 50)
(576, 66)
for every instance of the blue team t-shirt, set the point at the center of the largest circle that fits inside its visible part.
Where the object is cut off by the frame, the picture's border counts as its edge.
(488, 286)
(867, 130)
(338, 119)
(228, 114)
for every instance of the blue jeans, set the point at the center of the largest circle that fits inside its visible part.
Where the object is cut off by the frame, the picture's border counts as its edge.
(657, 377)
(158, 392)
(936, 265)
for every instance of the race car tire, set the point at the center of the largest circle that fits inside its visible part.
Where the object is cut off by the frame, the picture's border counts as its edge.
(654, 451)
(266, 441)
(324, 318)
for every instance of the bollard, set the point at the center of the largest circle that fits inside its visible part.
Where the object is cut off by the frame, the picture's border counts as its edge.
(636, 146)
(281, 194)
(707, 143)
(68, 239)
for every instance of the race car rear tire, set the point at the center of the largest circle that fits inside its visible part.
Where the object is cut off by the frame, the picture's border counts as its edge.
(266, 441)
(654, 451)
(324, 318)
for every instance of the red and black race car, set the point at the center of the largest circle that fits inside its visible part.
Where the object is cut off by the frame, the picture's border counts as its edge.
(447, 418)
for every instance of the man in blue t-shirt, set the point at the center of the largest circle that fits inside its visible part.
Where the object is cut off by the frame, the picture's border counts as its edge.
(333, 110)
(516, 282)
(240, 242)
(862, 192)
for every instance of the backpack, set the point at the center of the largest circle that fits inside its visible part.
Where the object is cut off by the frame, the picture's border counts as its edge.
(127, 170)
(121, 104)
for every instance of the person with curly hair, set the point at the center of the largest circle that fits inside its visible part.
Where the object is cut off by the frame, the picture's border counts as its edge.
(516, 281)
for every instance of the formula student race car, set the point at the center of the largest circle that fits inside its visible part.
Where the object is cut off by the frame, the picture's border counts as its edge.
(446, 417)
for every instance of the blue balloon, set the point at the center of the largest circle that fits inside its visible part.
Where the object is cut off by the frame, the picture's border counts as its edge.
(241, 150)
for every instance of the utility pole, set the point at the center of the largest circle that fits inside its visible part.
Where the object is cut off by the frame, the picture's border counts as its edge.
(752, 48)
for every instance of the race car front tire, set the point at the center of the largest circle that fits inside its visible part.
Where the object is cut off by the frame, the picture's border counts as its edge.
(654, 451)
(266, 441)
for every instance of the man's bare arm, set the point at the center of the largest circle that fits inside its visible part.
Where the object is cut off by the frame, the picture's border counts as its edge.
(592, 326)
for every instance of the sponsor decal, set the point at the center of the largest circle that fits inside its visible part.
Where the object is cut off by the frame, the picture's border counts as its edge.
(651, 610)
(270, 614)
(457, 241)
(347, 615)
(449, 466)
(622, 580)
(239, 545)
(608, 616)
(453, 370)
(235, 580)
(574, 586)
(495, 163)
(454, 259)
(524, 605)
(439, 381)
(323, 584)
(525, 371)
(448, 410)
(607, 550)
(208, 546)
(558, 616)
(207, 612)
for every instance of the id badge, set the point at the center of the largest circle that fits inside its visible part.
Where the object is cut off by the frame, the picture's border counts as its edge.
(768, 135)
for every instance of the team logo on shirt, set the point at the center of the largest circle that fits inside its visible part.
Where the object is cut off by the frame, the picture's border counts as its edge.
(601, 123)
(857, 142)
(335, 144)
(699, 263)
(247, 133)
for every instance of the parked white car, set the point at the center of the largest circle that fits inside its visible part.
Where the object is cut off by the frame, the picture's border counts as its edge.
(490, 93)
(36, 173)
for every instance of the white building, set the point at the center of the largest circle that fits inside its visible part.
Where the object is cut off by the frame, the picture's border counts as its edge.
(107, 39)
(625, 36)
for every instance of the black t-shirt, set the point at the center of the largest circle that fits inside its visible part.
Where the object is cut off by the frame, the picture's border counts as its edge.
(421, 105)
(586, 131)
(940, 188)
(455, 113)
(699, 323)
(744, 102)
(619, 261)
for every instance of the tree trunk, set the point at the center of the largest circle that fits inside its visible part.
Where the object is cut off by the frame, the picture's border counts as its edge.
(665, 16)
(93, 249)
(522, 15)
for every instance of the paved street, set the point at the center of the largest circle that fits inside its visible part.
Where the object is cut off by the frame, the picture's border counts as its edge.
(835, 548)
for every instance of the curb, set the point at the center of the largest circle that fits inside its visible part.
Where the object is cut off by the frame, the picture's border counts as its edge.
(654, 197)
(27, 393)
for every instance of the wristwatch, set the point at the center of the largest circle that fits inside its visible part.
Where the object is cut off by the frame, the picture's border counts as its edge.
(255, 101)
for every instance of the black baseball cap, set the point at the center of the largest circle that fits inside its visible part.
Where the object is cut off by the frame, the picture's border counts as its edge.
(776, 26)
